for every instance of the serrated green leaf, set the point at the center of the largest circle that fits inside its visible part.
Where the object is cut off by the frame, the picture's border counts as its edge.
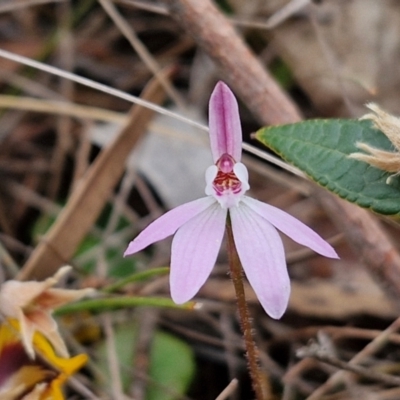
(321, 148)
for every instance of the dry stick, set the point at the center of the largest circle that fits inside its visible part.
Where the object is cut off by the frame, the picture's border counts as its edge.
(242, 70)
(335, 332)
(213, 32)
(61, 108)
(244, 315)
(112, 359)
(99, 86)
(90, 195)
(228, 391)
(144, 5)
(64, 124)
(228, 335)
(82, 389)
(285, 12)
(315, 351)
(144, 340)
(7, 262)
(142, 51)
(371, 348)
(13, 5)
(294, 375)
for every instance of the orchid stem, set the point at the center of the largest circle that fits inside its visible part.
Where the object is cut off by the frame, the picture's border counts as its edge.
(244, 315)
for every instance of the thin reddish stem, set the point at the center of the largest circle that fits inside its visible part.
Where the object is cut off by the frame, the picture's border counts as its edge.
(244, 315)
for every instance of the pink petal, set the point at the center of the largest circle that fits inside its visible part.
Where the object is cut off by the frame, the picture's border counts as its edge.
(262, 255)
(292, 227)
(168, 224)
(224, 123)
(194, 252)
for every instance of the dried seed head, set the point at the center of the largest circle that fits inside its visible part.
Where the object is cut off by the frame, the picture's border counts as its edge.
(382, 159)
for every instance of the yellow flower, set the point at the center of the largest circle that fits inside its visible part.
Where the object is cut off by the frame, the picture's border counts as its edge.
(23, 378)
(31, 303)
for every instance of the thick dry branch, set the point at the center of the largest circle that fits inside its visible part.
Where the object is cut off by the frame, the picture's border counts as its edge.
(90, 196)
(239, 67)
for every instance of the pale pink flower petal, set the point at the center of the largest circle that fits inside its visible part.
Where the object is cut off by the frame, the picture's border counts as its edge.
(224, 124)
(194, 251)
(291, 227)
(168, 224)
(262, 256)
(199, 225)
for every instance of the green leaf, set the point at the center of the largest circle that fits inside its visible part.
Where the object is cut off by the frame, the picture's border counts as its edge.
(103, 304)
(321, 148)
(136, 277)
(172, 364)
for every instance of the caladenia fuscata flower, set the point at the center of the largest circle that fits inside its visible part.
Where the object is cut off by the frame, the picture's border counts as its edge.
(31, 303)
(199, 225)
(24, 378)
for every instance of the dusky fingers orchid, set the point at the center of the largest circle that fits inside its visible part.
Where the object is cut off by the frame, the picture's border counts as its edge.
(199, 225)
(31, 303)
(32, 378)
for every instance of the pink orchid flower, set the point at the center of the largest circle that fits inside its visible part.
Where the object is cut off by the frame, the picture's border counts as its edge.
(199, 225)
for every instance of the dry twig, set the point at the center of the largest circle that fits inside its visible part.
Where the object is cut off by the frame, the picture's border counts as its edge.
(368, 350)
(90, 196)
(314, 350)
(239, 67)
